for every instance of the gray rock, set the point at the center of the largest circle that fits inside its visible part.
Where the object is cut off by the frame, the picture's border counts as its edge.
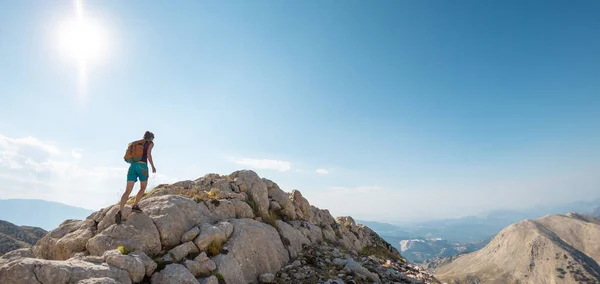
(293, 239)
(242, 209)
(201, 257)
(149, 264)
(360, 270)
(136, 233)
(190, 235)
(174, 274)
(132, 265)
(209, 280)
(200, 268)
(174, 216)
(103, 280)
(208, 234)
(254, 248)
(35, 270)
(266, 278)
(255, 187)
(63, 242)
(183, 250)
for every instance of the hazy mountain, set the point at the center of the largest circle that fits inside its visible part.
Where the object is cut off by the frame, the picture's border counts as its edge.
(39, 213)
(14, 237)
(552, 249)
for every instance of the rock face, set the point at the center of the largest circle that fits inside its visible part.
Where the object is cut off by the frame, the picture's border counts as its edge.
(254, 248)
(238, 228)
(551, 249)
(32, 270)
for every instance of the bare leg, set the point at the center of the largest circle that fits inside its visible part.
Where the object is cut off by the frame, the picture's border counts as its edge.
(140, 193)
(126, 194)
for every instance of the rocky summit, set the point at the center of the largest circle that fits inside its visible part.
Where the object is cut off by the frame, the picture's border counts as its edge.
(238, 228)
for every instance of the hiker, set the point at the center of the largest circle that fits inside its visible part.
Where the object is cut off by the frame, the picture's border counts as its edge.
(138, 154)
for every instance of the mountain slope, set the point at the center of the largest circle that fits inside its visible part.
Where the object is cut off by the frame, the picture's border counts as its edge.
(39, 213)
(552, 249)
(13, 237)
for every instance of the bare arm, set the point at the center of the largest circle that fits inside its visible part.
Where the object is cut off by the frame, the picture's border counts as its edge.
(150, 157)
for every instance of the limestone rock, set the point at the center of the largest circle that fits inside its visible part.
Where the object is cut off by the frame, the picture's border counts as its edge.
(208, 234)
(209, 280)
(255, 188)
(359, 269)
(18, 253)
(203, 268)
(242, 209)
(136, 233)
(226, 228)
(63, 242)
(149, 264)
(102, 280)
(132, 265)
(303, 210)
(35, 270)
(266, 278)
(281, 198)
(292, 238)
(174, 274)
(181, 251)
(174, 216)
(220, 209)
(254, 248)
(190, 235)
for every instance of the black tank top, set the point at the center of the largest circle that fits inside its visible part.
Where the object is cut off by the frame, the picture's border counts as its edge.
(145, 154)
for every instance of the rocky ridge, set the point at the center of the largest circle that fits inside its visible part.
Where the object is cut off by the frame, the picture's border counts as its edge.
(14, 237)
(237, 228)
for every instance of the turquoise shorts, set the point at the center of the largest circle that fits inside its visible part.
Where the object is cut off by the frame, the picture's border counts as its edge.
(137, 170)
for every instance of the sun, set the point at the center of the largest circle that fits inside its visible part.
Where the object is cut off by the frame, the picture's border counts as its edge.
(82, 38)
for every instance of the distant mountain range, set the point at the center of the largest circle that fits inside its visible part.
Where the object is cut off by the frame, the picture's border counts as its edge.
(14, 237)
(466, 234)
(39, 213)
(553, 249)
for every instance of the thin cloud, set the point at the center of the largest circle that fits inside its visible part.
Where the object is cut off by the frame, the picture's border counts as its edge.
(281, 166)
(322, 171)
(35, 169)
(76, 153)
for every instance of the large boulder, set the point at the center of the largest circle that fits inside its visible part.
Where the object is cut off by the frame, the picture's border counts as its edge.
(63, 242)
(254, 248)
(174, 216)
(35, 270)
(255, 187)
(137, 232)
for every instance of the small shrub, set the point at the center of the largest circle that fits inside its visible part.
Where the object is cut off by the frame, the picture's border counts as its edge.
(214, 248)
(219, 276)
(214, 193)
(123, 250)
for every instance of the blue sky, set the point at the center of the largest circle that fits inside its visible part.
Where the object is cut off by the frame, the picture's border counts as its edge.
(411, 109)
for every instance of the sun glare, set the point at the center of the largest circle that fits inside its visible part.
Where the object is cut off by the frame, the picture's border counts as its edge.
(85, 40)
(82, 37)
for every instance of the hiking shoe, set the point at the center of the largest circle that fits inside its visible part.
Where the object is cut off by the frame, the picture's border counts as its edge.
(136, 208)
(118, 218)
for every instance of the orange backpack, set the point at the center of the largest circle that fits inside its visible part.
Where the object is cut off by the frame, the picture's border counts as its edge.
(135, 151)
